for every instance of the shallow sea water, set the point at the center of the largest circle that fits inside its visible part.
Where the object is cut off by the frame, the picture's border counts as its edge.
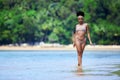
(59, 65)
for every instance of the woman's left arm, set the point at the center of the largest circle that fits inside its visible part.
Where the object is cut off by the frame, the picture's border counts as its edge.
(88, 34)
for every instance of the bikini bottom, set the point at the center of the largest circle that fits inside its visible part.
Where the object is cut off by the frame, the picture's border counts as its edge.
(81, 41)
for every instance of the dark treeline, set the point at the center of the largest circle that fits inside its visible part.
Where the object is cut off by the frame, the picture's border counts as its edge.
(30, 21)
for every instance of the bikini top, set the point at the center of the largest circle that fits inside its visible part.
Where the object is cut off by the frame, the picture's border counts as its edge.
(81, 28)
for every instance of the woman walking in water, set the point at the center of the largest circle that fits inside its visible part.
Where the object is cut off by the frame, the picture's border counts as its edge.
(81, 30)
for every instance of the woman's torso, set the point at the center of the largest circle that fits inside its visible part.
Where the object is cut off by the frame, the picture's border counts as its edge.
(81, 31)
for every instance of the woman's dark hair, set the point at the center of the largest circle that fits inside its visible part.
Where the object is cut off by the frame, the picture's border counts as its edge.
(80, 13)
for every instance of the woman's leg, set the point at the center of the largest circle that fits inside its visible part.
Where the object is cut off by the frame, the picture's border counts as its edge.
(82, 49)
(79, 51)
(83, 45)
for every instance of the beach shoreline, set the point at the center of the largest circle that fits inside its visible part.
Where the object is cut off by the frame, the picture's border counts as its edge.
(65, 47)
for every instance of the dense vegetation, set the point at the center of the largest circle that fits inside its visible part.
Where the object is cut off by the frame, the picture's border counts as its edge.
(30, 21)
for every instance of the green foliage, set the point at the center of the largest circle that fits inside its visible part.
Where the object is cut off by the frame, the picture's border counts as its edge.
(53, 37)
(54, 20)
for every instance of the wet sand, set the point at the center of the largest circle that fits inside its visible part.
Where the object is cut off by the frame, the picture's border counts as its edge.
(88, 47)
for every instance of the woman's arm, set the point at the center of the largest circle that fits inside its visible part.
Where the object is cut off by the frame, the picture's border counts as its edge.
(88, 34)
(73, 39)
(73, 36)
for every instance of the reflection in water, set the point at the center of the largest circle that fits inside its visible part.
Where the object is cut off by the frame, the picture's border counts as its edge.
(79, 71)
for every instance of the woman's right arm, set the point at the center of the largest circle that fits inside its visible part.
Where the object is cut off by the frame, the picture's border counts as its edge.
(73, 39)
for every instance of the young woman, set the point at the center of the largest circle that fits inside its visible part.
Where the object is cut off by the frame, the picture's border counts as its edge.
(81, 30)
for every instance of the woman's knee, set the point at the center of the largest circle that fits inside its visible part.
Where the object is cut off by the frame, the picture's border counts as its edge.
(80, 51)
(80, 55)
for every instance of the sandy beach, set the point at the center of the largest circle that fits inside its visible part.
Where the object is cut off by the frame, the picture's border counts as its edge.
(65, 47)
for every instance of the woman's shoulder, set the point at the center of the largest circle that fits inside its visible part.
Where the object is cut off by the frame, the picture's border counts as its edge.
(86, 24)
(77, 24)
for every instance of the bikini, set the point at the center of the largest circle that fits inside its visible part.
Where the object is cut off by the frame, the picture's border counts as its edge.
(81, 28)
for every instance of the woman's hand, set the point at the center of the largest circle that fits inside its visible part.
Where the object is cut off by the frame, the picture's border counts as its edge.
(91, 43)
(73, 44)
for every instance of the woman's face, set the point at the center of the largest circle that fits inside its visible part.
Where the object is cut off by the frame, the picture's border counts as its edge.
(80, 19)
